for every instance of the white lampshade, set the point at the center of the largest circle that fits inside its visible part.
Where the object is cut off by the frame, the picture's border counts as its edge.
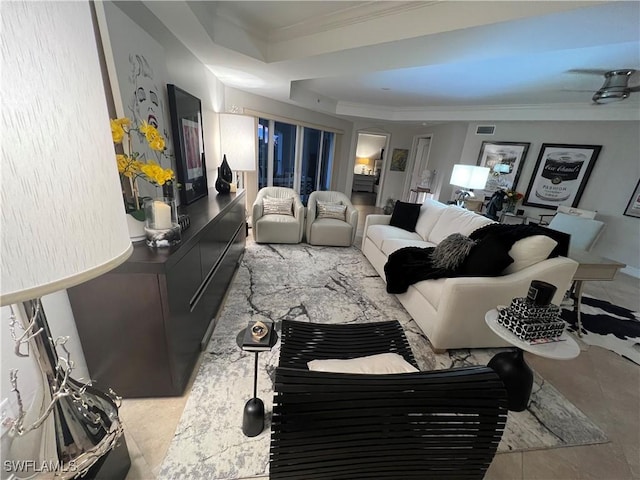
(63, 219)
(469, 176)
(238, 141)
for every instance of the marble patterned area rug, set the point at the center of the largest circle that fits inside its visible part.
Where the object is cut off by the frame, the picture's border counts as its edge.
(608, 326)
(319, 284)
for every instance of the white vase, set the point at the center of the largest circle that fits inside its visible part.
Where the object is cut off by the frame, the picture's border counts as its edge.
(136, 229)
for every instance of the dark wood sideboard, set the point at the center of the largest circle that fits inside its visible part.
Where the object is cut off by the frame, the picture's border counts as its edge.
(142, 325)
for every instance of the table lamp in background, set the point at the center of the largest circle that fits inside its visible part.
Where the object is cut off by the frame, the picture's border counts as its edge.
(63, 223)
(468, 178)
(238, 141)
(363, 162)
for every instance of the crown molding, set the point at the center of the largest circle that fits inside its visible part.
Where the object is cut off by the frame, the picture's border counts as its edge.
(349, 16)
(554, 112)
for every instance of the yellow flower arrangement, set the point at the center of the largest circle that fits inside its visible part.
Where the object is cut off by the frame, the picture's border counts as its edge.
(132, 166)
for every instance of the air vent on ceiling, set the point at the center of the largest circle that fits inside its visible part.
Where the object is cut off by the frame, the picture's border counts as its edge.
(485, 129)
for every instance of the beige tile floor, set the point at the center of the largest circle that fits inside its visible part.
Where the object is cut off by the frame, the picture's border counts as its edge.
(605, 386)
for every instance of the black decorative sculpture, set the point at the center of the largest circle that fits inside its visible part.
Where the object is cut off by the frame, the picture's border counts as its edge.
(222, 186)
(225, 176)
(225, 170)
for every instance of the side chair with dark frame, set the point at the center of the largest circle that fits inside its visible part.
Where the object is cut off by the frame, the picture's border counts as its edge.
(329, 426)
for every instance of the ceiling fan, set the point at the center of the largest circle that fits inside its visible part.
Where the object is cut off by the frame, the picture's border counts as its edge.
(618, 84)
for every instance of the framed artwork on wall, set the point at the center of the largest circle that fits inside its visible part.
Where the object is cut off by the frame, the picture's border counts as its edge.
(136, 64)
(505, 160)
(399, 159)
(560, 175)
(186, 126)
(633, 207)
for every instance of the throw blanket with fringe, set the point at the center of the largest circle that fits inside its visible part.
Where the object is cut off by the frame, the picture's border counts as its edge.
(410, 265)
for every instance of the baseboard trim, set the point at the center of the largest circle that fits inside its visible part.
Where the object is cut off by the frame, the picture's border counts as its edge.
(633, 271)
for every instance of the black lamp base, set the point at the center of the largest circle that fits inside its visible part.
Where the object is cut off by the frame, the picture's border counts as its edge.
(253, 417)
(517, 377)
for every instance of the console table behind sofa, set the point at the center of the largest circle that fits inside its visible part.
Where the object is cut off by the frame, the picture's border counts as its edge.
(143, 325)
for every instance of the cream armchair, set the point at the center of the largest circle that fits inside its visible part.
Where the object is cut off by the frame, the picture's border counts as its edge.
(331, 231)
(277, 227)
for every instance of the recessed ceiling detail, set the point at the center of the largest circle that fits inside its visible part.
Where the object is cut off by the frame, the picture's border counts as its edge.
(414, 61)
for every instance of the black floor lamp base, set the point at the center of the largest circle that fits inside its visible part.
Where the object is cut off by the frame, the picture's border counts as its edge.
(253, 417)
(517, 377)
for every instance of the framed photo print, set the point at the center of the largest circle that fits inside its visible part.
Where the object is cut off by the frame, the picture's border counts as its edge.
(633, 207)
(399, 159)
(186, 126)
(505, 160)
(560, 175)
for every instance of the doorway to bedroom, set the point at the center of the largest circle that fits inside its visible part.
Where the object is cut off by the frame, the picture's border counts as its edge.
(368, 169)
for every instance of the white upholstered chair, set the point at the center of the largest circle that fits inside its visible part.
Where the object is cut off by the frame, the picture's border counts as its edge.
(584, 231)
(278, 226)
(576, 212)
(321, 229)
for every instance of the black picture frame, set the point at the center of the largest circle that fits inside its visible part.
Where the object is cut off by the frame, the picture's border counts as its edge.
(510, 155)
(188, 140)
(560, 175)
(633, 207)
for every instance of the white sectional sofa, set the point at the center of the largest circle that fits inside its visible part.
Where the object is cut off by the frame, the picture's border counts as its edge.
(451, 311)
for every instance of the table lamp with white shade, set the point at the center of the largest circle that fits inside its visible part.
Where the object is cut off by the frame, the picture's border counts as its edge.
(63, 221)
(238, 142)
(362, 163)
(468, 178)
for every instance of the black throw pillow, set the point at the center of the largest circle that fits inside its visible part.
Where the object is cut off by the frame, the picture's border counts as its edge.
(405, 215)
(487, 258)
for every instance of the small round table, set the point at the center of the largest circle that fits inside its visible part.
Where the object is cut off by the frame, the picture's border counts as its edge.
(514, 372)
(253, 414)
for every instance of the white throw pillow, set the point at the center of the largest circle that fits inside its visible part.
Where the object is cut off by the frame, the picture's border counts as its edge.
(331, 210)
(383, 363)
(529, 251)
(277, 206)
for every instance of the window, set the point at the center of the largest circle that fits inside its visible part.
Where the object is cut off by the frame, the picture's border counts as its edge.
(310, 160)
(295, 157)
(284, 150)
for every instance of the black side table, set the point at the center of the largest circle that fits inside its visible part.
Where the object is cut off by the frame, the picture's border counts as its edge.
(253, 414)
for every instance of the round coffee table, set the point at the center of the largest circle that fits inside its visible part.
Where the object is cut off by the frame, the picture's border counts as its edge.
(511, 367)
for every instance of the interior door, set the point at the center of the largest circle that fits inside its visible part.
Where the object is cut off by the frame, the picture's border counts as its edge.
(421, 162)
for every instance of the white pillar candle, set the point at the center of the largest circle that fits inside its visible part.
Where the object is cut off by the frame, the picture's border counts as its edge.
(161, 215)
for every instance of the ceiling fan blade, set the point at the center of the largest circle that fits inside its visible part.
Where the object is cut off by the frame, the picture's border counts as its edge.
(588, 71)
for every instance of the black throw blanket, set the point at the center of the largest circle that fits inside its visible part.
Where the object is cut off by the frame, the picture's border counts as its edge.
(410, 265)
